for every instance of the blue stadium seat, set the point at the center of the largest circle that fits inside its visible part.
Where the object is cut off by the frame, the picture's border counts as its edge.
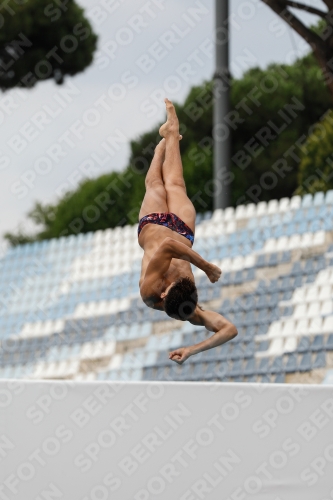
(249, 333)
(298, 215)
(297, 269)
(197, 371)
(148, 373)
(161, 372)
(280, 378)
(329, 197)
(307, 200)
(262, 301)
(249, 274)
(286, 283)
(287, 310)
(303, 345)
(273, 259)
(261, 260)
(285, 257)
(274, 287)
(263, 366)
(160, 358)
(250, 318)
(319, 198)
(276, 365)
(184, 374)
(320, 263)
(236, 352)
(291, 229)
(291, 363)
(248, 349)
(309, 266)
(236, 369)
(222, 352)
(238, 277)
(298, 281)
(249, 302)
(319, 361)
(263, 345)
(315, 225)
(273, 300)
(277, 231)
(209, 373)
(318, 343)
(311, 214)
(310, 278)
(305, 363)
(226, 306)
(262, 288)
(329, 343)
(226, 278)
(250, 367)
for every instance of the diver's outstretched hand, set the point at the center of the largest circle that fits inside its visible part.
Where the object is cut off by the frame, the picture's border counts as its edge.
(213, 272)
(180, 355)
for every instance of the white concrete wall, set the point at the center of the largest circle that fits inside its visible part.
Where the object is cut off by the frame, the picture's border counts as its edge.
(151, 440)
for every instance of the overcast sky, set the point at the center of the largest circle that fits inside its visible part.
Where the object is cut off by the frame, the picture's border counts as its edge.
(53, 136)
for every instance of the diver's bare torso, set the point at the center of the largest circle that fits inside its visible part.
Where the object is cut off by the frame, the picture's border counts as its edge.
(150, 239)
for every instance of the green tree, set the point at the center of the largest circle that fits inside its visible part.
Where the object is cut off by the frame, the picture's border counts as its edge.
(316, 167)
(272, 109)
(319, 37)
(41, 40)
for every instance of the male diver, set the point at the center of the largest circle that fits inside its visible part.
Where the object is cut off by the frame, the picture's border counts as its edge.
(166, 234)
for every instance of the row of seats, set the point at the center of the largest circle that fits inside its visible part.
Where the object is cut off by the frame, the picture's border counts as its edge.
(222, 370)
(313, 309)
(304, 326)
(273, 206)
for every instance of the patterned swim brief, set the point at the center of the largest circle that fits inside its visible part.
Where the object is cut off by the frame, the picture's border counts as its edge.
(170, 220)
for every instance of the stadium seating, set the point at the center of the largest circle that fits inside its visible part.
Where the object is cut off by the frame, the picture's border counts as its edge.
(70, 307)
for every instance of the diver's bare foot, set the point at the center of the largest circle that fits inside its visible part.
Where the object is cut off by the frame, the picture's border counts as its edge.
(171, 126)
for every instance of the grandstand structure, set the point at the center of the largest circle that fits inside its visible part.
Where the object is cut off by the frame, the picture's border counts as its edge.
(70, 307)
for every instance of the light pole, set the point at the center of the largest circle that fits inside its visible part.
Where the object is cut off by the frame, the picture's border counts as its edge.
(221, 132)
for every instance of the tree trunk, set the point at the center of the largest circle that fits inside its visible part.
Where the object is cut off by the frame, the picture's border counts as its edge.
(322, 46)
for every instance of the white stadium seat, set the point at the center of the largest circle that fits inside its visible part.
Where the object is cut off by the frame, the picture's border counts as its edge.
(229, 214)
(302, 327)
(240, 212)
(282, 243)
(284, 205)
(218, 215)
(312, 293)
(289, 327)
(272, 207)
(300, 311)
(290, 344)
(328, 325)
(316, 325)
(325, 292)
(261, 208)
(319, 238)
(250, 210)
(294, 241)
(276, 347)
(295, 202)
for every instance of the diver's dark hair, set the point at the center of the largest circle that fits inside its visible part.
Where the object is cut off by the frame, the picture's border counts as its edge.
(181, 299)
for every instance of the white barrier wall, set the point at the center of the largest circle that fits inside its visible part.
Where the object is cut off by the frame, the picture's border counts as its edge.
(165, 440)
